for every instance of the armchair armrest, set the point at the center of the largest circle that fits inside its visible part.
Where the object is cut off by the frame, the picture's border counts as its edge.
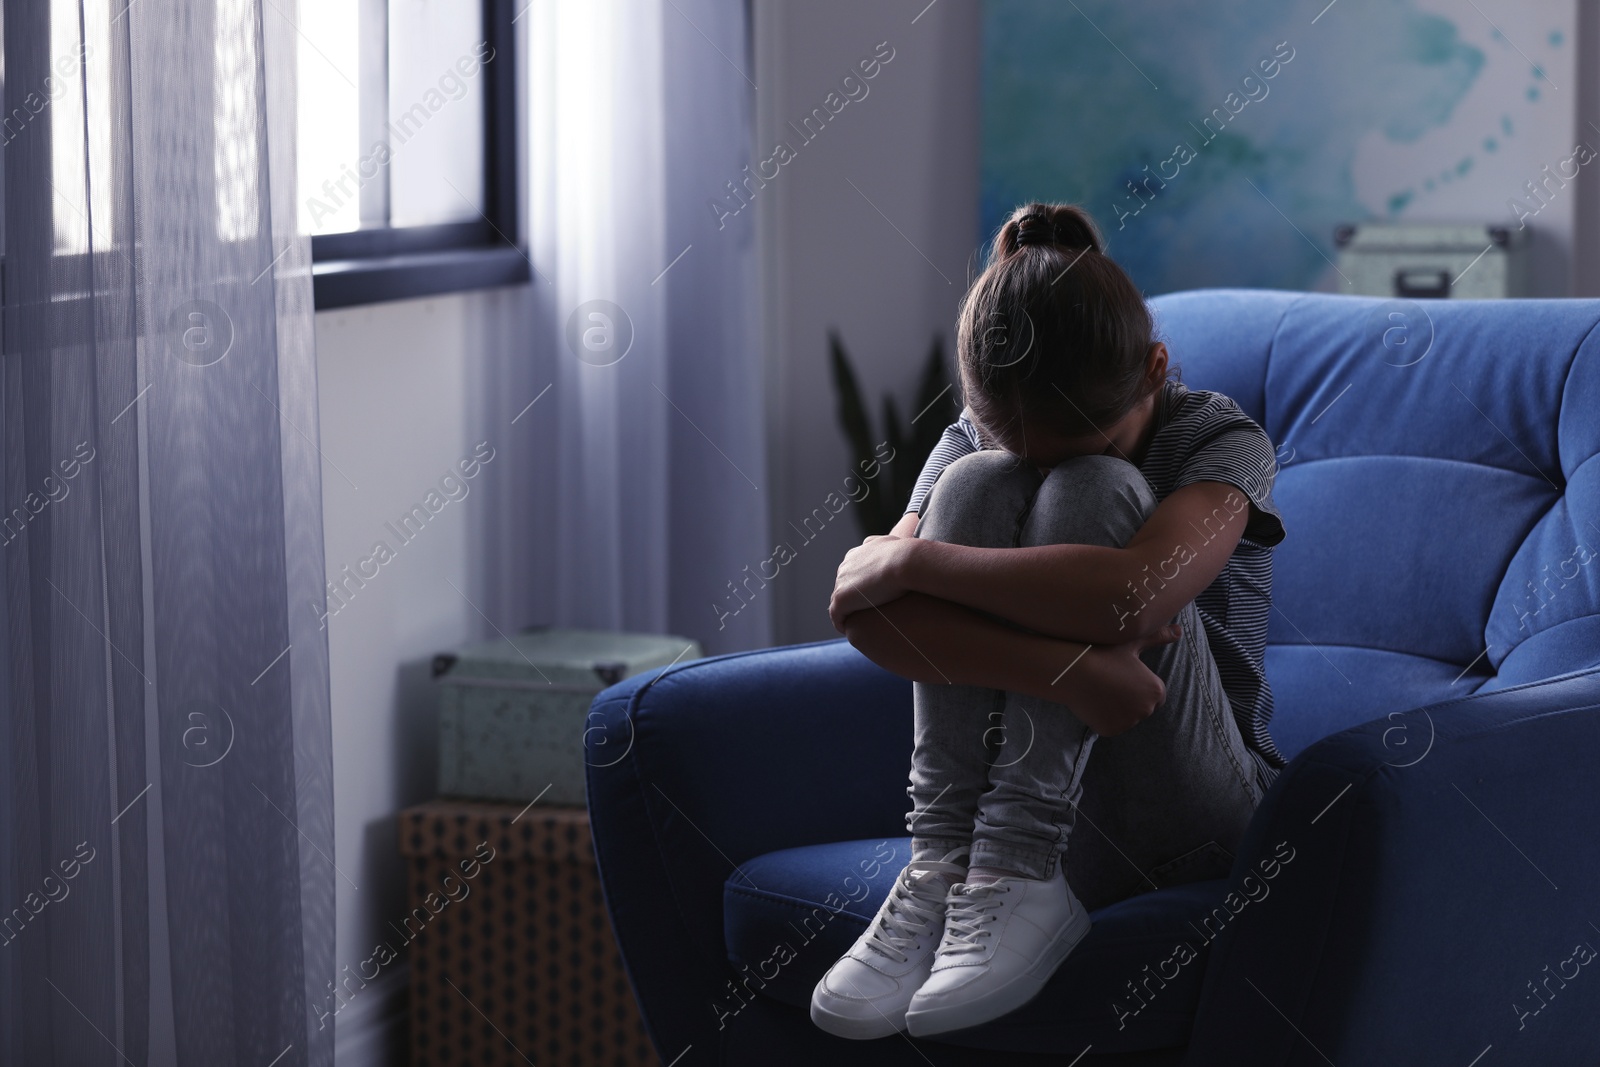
(695, 768)
(1433, 877)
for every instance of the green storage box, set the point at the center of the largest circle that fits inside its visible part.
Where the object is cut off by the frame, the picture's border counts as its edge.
(513, 712)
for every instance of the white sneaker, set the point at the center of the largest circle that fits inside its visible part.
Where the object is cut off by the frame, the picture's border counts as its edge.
(1002, 942)
(864, 995)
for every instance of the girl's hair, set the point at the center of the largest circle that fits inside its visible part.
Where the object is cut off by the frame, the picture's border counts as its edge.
(1052, 330)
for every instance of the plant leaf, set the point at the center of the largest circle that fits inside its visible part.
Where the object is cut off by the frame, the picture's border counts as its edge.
(852, 413)
(857, 429)
(935, 402)
(897, 476)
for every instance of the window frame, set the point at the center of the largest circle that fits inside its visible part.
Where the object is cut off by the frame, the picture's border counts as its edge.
(398, 263)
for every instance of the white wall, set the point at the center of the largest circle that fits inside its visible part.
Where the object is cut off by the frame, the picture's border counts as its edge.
(1586, 202)
(406, 390)
(888, 281)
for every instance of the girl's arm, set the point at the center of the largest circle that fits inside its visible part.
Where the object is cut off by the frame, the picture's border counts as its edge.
(1075, 592)
(937, 642)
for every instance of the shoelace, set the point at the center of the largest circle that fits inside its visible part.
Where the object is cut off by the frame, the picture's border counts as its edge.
(916, 900)
(969, 914)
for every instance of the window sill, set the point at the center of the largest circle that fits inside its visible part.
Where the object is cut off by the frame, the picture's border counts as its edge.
(338, 283)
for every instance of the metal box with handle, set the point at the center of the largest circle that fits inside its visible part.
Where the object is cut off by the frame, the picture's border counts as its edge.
(1433, 260)
(512, 712)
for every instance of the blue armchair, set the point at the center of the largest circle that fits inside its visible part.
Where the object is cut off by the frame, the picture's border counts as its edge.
(1421, 885)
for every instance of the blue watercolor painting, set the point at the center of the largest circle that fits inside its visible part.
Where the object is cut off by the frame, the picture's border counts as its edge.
(1214, 144)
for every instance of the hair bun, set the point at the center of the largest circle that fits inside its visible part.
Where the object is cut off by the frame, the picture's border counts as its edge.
(1059, 225)
(1035, 230)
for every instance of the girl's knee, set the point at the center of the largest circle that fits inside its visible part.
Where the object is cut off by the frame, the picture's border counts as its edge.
(987, 470)
(1100, 500)
(973, 492)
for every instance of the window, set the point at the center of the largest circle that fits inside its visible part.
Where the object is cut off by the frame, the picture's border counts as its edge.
(407, 147)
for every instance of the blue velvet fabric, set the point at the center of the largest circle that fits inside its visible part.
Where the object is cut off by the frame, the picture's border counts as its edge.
(1435, 656)
(1319, 683)
(1426, 894)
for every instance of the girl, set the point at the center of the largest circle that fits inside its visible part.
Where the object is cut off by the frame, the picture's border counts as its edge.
(1085, 566)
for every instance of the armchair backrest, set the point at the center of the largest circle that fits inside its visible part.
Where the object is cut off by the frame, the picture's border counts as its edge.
(1438, 481)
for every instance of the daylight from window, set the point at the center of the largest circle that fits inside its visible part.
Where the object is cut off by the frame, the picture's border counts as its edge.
(330, 116)
(77, 36)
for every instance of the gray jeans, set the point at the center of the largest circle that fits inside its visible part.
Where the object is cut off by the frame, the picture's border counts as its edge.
(1011, 774)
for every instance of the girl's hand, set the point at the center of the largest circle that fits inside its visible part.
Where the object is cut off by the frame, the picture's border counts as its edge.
(870, 575)
(1119, 691)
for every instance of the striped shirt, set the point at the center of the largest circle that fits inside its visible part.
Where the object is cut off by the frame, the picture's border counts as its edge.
(1200, 436)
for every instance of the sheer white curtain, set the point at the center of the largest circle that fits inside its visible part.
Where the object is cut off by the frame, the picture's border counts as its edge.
(166, 891)
(639, 114)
